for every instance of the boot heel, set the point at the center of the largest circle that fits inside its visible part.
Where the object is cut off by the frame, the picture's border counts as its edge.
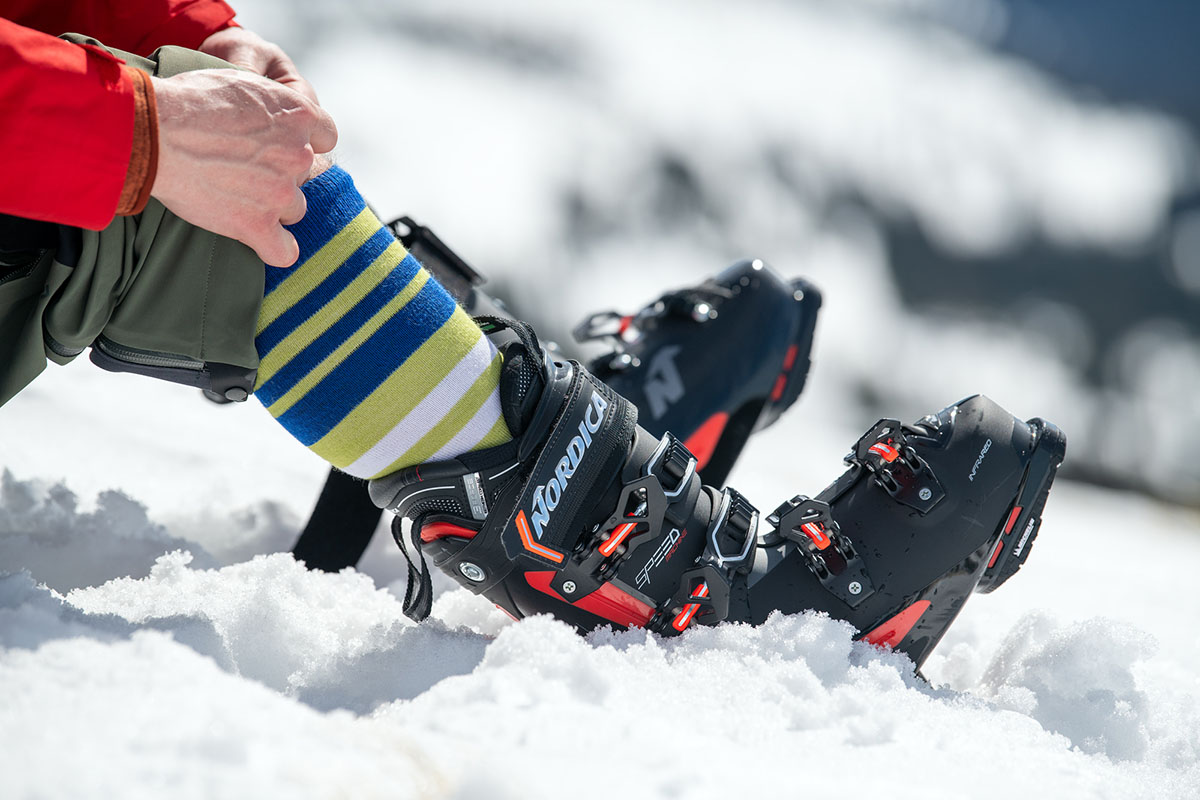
(1014, 540)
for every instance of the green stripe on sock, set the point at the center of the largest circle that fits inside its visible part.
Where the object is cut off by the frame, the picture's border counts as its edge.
(404, 389)
(363, 355)
(314, 270)
(499, 434)
(331, 361)
(333, 311)
(454, 420)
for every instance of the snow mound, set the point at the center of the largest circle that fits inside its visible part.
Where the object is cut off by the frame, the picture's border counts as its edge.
(98, 709)
(43, 530)
(1080, 681)
(331, 641)
(748, 710)
(264, 677)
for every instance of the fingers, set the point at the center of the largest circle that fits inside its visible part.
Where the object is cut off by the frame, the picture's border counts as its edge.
(283, 71)
(247, 49)
(324, 133)
(294, 212)
(221, 168)
(298, 84)
(276, 246)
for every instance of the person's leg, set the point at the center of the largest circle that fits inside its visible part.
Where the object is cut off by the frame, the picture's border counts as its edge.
(364, 358)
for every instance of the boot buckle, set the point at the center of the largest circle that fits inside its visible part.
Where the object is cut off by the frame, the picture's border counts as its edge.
(678, 459)
(736, 521)
(829, 553)
(896, 467)
(704, 590)
(645, 501)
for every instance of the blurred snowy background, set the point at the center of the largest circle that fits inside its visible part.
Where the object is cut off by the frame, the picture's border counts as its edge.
(995, 197)
(977, 222)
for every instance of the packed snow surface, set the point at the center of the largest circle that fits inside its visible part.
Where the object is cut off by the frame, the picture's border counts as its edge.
(260, 678)
(157, 640)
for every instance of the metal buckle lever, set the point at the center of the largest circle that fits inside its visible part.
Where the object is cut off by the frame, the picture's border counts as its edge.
(896, 467)
(678, 455)
(830, 554)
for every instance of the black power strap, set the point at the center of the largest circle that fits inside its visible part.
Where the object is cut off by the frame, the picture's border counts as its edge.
(418, 596)
(341, 525)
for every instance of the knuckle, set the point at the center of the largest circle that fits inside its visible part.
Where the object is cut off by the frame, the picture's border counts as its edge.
(283, 195)
(262, 222)
(299, 159)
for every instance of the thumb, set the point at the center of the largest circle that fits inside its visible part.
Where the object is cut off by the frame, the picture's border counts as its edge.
(276, 247)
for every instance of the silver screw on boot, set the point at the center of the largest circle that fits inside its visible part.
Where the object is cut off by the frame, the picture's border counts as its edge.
(472, 572)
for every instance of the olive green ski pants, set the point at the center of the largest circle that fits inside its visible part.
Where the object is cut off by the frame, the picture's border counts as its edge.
(150, 294)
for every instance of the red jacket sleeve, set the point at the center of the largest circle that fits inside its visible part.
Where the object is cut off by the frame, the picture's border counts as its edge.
(139, 26)
(68, 128)
(69, 110)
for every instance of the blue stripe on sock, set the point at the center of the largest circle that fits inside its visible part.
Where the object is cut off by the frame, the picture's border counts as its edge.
(336, 199)
(323, 292)
(341, 330)
(328, 403)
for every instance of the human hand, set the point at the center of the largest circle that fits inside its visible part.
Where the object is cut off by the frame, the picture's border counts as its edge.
(244, 48)
(233, 150)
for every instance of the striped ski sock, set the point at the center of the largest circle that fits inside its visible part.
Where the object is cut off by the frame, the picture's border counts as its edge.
(365, 358)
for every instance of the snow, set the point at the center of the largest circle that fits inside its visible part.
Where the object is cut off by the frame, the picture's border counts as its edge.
(261, 677)
(156, 639)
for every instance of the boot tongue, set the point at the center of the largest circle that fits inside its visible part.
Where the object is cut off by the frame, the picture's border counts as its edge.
(521, 385)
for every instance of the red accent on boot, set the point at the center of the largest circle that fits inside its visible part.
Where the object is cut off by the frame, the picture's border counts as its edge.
(608, 601)
(703, 442)
(893, 631)
(440, 530)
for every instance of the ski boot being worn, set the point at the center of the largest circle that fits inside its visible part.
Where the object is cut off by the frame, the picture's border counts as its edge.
(711, 363)
(587, 516)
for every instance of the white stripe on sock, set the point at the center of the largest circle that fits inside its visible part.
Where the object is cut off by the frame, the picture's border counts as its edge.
(427, 413)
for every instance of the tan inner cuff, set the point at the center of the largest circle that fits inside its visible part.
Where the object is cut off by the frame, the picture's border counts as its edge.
(143, 160)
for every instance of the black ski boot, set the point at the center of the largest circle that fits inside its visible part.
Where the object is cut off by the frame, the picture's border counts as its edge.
(711, 363)
(586, 516)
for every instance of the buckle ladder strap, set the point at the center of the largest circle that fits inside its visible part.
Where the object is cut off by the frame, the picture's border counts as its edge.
(418, 596)
(673, 464)
(704, 590)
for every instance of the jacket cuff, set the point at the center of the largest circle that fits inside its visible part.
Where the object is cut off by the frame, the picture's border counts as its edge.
(143, 158)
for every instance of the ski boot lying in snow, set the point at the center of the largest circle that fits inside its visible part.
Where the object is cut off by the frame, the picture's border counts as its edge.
(697, 361)
(712, 363)
(586, 516)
